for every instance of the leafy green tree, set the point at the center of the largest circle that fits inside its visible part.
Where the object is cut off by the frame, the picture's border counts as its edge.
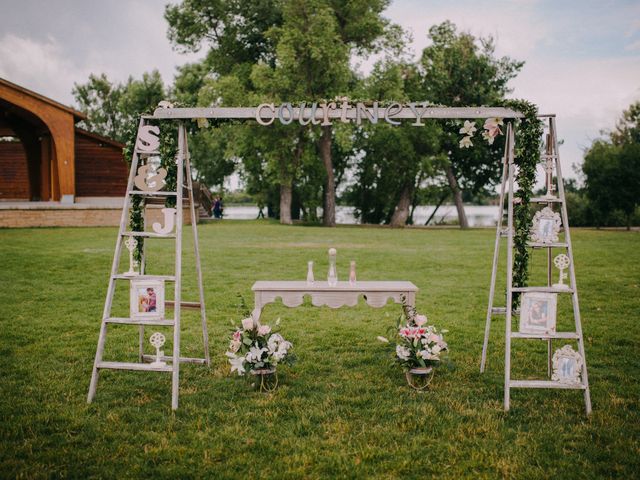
(459, 69)
(112, 107)
(612, 172)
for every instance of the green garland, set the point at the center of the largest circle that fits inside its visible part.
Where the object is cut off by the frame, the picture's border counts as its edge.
(168, 152)
(527, 154)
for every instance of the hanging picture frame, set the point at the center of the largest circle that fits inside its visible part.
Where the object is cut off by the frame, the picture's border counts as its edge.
(147, 299)
(546, 226)
(538, 312)
(567, 366)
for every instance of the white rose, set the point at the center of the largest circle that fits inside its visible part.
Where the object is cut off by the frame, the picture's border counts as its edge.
(247, 323)
(403, 353)
(421, 320)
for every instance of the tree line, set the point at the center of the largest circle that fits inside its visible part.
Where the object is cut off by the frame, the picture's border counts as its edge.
(277, 51)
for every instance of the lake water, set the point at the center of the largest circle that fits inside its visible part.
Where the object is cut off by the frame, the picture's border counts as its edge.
(478, 215)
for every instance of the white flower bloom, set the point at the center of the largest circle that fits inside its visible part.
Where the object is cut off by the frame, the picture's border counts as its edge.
(469, 128)
(422, 353)
(436, 349)
(466, 142)
(274, 340)
(382, 339)
(237, 364)
(488, 137)
(403, 353)
(247, 323)
(264, 330)
(255, 354)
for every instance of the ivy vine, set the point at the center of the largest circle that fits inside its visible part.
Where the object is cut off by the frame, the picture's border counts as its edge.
(528, 131)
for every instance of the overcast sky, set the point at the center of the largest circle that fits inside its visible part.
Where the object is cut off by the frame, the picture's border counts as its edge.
(582, 57)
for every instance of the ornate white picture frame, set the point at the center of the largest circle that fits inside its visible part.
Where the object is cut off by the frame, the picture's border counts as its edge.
(567, 366)
(546, 226)
(146, 299)
(538, 312)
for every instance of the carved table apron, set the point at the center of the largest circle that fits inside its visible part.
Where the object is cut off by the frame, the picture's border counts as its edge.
(292, 294)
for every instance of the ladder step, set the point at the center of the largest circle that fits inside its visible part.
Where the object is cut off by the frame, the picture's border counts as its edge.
(144, 152)
(166, 278)
(153, 194)
(548, 245)
(503, 311)
(166, 358)
(504, 232)
(147, 235)
(547, 336)
(545, 384)
(183, 304)
(134, 321)
(544, 156)
(134, 366)
(545, 200)
(543, 289)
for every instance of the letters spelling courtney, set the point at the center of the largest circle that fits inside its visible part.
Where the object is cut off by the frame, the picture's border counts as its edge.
(286, 113)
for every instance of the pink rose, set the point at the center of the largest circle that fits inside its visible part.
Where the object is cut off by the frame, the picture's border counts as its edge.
(264, 330)
(237, 335)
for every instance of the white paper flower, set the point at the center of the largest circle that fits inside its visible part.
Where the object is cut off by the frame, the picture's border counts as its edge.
(403, 353)
(469, 128)
(466, 142)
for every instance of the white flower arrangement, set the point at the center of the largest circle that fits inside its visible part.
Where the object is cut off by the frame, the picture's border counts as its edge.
(257, 347)
(419, 345)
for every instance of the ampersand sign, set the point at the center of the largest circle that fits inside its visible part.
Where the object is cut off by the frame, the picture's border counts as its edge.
(150, 181)
(148, 140)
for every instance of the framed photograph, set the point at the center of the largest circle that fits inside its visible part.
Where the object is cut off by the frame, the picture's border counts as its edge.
(147, 299)
(567, 365)
(546, 226)
(538, 312)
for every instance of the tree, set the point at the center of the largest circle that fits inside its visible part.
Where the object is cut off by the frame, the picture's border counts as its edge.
(111, 107)
(461, 70)
(612, 171)
(290, 50)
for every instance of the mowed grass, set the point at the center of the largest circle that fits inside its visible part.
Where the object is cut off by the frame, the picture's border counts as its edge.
(342, 411)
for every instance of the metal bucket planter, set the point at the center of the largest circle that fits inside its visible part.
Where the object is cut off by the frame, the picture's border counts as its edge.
(266, 379)
(420, 378)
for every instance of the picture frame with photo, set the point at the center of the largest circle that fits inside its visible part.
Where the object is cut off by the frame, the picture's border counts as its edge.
(538, 312)
(546, 226)
(567, 366)
(146, 299)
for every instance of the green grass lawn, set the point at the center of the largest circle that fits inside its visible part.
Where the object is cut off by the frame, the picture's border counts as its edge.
(342, 411)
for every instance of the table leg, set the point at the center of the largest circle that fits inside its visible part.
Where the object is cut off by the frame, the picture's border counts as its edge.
(257, 310)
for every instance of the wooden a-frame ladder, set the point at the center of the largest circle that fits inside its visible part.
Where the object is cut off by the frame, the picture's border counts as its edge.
(139, 157)
(552, 160)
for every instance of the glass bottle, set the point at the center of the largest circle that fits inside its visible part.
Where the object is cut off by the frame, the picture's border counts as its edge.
(332, 277)
(310, 278)
(352, 273)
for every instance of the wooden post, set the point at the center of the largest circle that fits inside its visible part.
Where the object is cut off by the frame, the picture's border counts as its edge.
(507, 349)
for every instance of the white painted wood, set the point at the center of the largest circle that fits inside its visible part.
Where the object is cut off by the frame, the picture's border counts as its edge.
(544, 384)
(196, 248)
(146, 367)
(544, 336)
(500, 233)
(510, 226)
(167, 358)
(112, 284)
(292, 293)
(145, 321)
(337, 113)
(572, 272)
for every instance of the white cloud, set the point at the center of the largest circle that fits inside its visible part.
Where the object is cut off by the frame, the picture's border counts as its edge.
(39, 66)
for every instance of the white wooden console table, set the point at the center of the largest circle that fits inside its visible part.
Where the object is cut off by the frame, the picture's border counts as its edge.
(343, 294)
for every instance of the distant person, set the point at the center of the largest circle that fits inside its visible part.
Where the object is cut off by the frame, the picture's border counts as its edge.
(217, 207)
